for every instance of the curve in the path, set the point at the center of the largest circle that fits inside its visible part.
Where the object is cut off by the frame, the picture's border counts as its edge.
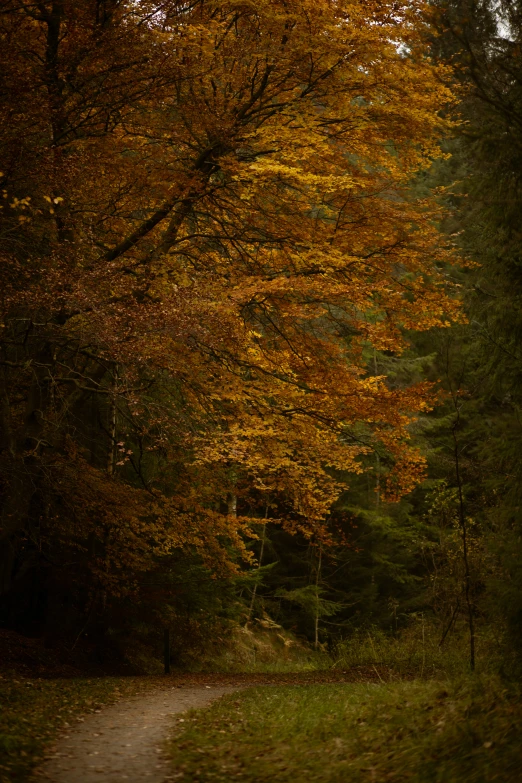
(123, 743)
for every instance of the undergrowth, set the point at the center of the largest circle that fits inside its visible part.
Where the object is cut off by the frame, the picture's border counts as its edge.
(261, 646)
(417, 650)
(420, 731)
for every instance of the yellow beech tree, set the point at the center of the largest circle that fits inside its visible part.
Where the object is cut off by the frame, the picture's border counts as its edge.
(206, 227)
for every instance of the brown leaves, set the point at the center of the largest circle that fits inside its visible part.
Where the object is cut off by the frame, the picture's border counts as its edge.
(231, 233)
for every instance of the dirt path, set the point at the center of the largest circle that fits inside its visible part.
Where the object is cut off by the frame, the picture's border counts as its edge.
(124, 741)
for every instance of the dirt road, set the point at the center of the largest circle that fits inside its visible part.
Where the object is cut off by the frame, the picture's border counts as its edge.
(123, 742)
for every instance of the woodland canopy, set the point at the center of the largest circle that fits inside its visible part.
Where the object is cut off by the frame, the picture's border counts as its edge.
(217, 246)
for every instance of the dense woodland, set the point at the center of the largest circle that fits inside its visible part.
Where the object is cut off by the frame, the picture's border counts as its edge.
(260, 355)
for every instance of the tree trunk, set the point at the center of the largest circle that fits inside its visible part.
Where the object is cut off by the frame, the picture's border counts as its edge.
(464, 534)
(166, 650)
(317, 581)
(260, 563)
(112, 426)
(20, 464)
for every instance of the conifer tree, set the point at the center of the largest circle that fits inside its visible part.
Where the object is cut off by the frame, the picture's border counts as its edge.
(482, 39)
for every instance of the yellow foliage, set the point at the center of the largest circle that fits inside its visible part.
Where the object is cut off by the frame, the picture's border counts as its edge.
(234, 229)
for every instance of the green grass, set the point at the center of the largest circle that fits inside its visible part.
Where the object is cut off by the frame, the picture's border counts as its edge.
(418, 731)
(33, 711)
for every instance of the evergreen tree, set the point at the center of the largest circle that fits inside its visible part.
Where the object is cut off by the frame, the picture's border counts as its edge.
(483, 364)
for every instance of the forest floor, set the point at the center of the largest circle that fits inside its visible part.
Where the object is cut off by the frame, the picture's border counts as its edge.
(52, 715)
(303, 728)
(365, 724)
(125, 742)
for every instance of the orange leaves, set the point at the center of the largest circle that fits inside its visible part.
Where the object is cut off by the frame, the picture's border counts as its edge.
(232, 230)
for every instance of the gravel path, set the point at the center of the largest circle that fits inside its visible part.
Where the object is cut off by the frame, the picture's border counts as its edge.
(124, 741)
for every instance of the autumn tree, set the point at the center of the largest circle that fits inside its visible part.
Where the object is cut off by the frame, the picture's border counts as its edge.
(206, 228)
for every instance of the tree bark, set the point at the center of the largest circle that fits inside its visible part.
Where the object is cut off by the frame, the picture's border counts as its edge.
(260, 563)
(464, 534)
(317, 580)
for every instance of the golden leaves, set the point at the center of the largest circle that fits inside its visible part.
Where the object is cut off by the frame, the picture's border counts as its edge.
(235, 229)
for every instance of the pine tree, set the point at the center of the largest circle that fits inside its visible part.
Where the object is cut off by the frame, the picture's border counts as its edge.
(483, 39)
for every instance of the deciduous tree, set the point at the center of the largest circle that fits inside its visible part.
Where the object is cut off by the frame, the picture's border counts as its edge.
(206, 224)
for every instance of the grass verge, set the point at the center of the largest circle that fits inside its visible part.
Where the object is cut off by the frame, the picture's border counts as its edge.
(33, 711)
(420, 732)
